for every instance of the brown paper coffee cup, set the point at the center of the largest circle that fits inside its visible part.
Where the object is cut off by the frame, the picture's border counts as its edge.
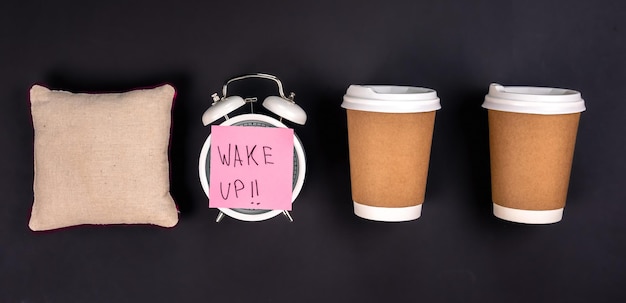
(531, 153)
(390, 152)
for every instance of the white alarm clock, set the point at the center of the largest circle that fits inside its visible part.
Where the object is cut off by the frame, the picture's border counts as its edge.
(285, 108)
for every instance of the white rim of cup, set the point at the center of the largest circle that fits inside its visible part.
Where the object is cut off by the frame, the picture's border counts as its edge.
(528, 216)
(391, 99)
(533, 100)
(387, 214)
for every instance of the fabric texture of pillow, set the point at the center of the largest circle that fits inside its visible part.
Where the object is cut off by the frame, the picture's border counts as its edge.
(101, 158)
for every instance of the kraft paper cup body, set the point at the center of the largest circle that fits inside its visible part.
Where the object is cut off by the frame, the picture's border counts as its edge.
(532, 134)
(390, 131)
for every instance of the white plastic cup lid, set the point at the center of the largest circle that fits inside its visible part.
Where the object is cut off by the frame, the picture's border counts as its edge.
(533, 100)
(390, 99)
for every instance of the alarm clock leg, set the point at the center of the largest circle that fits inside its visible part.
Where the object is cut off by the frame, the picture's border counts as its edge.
(220, 216)
(286, 213)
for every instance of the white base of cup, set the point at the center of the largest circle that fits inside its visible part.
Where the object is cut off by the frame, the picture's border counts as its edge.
(528, 216)
(387, 214)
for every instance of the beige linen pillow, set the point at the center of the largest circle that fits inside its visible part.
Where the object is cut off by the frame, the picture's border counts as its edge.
(101, 158)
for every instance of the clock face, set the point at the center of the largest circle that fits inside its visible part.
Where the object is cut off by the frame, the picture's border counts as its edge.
(299, 166)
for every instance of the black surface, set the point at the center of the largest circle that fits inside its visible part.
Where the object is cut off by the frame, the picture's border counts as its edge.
(457, 251)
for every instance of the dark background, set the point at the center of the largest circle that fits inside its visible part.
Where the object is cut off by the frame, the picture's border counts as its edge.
(456, 252)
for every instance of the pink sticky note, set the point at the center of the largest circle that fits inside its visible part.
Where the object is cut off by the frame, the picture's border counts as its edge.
(251, 167)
